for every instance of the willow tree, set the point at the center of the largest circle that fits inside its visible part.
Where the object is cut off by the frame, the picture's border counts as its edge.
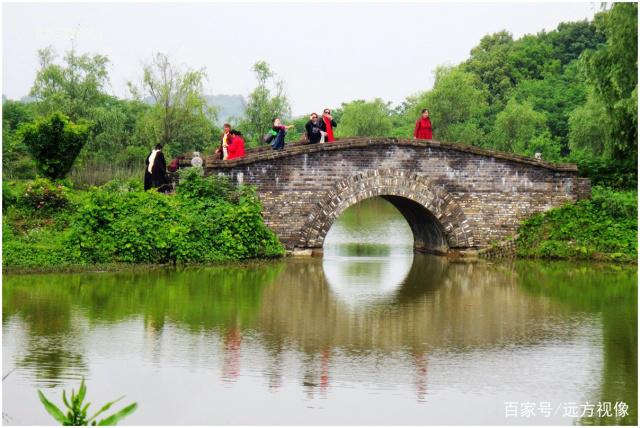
(74, 87)
(179, 117)
(612, 72)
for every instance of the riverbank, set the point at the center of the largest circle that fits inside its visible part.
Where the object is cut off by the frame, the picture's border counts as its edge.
(51, 226)
(604, 227)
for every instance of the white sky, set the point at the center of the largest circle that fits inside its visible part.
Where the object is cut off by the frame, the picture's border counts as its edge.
(326, 53)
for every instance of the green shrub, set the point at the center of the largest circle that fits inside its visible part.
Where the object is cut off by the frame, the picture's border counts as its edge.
(42, 194)
(607, 172)
(37, 249)
(123, 186)
(604, 227)
(54, 142)
(208, 220)
(211, 189)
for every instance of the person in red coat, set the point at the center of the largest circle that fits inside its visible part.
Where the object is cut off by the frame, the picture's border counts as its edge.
(423, 129)
(328, 125)
(235, 148)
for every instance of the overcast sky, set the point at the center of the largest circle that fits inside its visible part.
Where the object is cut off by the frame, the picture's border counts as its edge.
(326, 53)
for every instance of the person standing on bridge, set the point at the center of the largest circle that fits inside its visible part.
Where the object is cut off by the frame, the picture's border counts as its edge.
(221, 152)
(314, 132)
(423, 130)
(281, 132)
(328, 124)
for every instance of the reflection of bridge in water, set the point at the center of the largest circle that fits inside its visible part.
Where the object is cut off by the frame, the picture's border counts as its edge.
(438, 306)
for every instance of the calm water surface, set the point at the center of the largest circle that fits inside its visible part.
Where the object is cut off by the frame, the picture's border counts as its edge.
(368, 334)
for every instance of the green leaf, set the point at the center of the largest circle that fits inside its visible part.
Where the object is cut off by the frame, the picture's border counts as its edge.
(64, 399)
(51, 408)
(116, 417)
(82, 392)
(105, 408)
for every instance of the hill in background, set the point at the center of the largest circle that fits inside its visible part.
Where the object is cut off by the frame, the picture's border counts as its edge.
(229, 106)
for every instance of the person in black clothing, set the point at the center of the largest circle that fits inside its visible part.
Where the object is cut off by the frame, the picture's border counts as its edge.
(314, 133)
(155, 175)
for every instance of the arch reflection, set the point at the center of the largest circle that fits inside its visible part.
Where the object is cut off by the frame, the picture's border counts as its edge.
(368, 253)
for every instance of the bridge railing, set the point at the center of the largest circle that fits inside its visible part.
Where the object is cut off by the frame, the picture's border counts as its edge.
(266, 153)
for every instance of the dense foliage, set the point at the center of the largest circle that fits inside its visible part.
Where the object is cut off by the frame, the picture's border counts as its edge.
(605, 227)
(54, 142)
(207, 220)
(361, 118)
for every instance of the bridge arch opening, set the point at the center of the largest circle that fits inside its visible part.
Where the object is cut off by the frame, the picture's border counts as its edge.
(372, 226)
(437, 223)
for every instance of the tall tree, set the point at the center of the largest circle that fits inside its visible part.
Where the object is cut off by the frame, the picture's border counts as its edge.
(457, 104)
(612, 70)
(490, 62)
(589, 128)
(557, 94)
(517, 126)
(570, 39)
(266, 102)
(74, 87)
(180, 117)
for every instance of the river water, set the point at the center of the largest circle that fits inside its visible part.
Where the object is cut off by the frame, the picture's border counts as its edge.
(367, 334)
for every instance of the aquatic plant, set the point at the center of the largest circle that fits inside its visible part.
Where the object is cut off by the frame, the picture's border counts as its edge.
(77, 413)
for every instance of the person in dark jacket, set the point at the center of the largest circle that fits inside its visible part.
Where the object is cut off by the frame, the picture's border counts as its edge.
(423, 130)
(328, 124)
(155, 174)
(314, 133)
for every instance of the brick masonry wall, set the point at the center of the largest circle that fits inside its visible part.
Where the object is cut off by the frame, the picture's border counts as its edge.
(477, 196)
(507, 249)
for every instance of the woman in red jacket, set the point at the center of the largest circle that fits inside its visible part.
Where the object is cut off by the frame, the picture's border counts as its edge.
(235, 148)
(423, 129)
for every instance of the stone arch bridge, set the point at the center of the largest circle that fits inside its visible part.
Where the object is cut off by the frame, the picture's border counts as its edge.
(455, 198)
